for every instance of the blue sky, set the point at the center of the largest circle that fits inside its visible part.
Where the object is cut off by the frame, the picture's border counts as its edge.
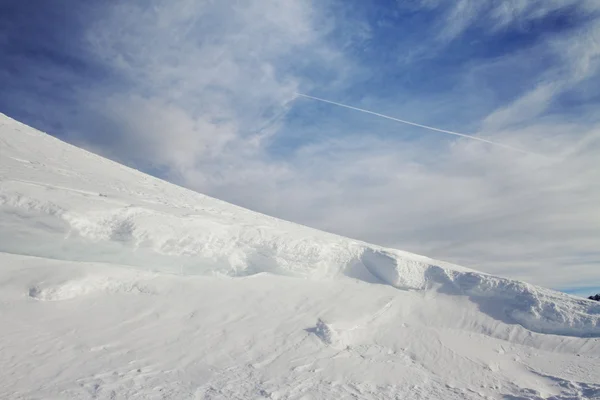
(202, 93)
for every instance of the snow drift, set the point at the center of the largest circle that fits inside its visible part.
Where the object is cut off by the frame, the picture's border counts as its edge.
(535, 308)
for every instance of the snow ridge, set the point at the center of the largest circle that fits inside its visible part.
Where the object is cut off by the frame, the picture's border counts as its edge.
(537, 309)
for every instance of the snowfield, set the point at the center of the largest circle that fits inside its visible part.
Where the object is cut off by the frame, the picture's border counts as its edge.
(117, 285)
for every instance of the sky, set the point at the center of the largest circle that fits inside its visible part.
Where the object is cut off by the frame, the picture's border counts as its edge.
(202, 93)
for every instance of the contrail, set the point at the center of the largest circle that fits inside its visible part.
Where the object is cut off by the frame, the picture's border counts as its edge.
(431, 128)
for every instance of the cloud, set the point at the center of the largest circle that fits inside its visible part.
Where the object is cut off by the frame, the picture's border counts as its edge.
(526, 107)
(496, 16)
(200, 81)
(578, 54)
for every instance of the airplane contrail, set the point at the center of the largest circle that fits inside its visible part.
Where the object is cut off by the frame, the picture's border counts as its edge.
(431, 128)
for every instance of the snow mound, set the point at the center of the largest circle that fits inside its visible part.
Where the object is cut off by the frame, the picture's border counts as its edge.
(537, 309)
(329, 335)
(19, 201)
(88, 285)
(402, 273)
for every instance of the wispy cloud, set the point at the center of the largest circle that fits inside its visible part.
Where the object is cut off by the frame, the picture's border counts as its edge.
(202, 81)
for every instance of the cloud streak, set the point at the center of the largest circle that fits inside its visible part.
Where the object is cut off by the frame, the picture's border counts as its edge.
(431, 128)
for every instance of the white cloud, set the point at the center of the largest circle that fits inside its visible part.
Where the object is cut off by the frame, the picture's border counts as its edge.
(578, 58)
(202, 79)
(460, 17)
(495, 16)
(528, 106)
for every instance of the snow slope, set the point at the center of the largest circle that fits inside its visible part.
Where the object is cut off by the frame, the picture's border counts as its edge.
(114, 284)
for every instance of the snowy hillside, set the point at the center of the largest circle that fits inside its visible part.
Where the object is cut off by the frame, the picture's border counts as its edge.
(114, 284)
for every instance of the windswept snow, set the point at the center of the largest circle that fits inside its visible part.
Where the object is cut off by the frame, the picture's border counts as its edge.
(120, 285)
(537, 309)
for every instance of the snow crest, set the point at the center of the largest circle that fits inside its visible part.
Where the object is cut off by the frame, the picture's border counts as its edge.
(537, 309)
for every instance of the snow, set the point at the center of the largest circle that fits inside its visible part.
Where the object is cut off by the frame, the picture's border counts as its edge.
(115, 284)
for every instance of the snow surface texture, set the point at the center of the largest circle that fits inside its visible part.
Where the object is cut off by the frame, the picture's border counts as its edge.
(114, 284)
